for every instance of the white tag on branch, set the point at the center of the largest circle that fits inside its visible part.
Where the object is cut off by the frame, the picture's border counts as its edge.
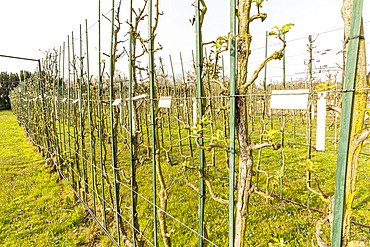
(64, 100)
(289, 99)
(141, 96)
(75, 101)
(165, 102)
(321, 122)
(117, 102)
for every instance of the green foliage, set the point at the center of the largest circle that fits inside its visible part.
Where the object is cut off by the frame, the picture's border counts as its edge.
(324, 86)
(279, 32)
(310, 165)
(259, 3)
(271, 135)
(222, 42)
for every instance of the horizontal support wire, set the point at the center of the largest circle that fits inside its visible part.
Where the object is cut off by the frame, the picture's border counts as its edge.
(169, 215)
(76, 173)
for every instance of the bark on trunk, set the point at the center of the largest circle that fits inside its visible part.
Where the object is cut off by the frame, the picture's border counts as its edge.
(245, 173)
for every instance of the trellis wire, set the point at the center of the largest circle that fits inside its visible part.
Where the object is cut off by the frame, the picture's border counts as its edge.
(45, 139)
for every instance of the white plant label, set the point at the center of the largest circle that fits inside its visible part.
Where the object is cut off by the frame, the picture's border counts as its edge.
(117, 102)
(64, 100)
(165, 102)
(75, 101)
(321, 122)
(289, 99)
(141, 96)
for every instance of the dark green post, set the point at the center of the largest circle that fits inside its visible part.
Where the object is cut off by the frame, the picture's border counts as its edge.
(153, 118)
(130, 130)
(112, 130)
(82, 141)
(232, 120)
(90, 119)
(345, 123)
(100, 123)
(199, 61)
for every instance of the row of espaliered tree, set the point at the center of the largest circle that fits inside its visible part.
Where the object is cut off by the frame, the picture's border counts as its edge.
(96, 142)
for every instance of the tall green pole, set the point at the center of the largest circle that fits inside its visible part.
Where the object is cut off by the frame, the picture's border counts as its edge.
(187, 110)
(153, 118)
(63, 83)
(265, 74)
(112, 130)
(100, 122)
(130, 129)
(177, 105)
(199, 61)
(82, 141)
(90, 118)
(69, 111)
(345, 123)
(232, 120)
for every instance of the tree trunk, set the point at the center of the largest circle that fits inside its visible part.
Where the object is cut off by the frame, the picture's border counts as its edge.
(245, 173)
(357, 121)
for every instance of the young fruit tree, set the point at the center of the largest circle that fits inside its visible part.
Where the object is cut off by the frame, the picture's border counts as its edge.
(245, 18)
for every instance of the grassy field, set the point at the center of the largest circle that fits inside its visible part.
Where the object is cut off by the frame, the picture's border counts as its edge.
(270, 223)
(35, 209)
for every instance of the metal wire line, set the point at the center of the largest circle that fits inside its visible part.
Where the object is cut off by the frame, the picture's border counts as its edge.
(229, 96)
(74, 191)
(141, 196)
(113, 208)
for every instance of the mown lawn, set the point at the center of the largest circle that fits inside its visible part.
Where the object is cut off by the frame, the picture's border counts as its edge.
(35, 209)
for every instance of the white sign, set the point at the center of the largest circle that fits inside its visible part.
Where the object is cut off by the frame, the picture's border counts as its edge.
(321, 122)
(117, 102)
(63, 100)
(164, 102)
(75, 101)
(289, 99)
(137, 97)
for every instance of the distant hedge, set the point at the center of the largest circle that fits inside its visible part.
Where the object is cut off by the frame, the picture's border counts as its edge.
(8, 81)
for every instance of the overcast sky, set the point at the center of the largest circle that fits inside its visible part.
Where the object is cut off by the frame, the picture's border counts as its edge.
(30, 27)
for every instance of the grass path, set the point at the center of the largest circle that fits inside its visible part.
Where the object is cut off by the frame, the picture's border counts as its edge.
(35, 209)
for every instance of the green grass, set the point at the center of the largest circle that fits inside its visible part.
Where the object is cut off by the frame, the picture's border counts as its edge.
(268, 222)
(35, 209)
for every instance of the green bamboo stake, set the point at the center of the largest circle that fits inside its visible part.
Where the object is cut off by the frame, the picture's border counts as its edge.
(63, 108)
(75, 134)
(153, 118)
(69, 113)
(232, 121)
(53, 104)
(199, 60)
(90, 118)
(100, 122)
(130, 129)
(188, 113)
(82, 141)
(177, 105)
(345, 123)
(113, 140)
(58, 105)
